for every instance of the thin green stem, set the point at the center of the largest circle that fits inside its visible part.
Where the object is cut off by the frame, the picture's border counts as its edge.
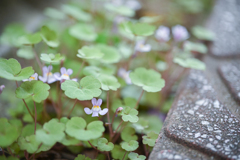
(139, 99)
(108, 116)
(35, 120)
(72, 108)
(36, 56)
(80, 69)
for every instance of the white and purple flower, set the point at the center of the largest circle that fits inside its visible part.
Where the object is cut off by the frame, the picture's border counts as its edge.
(142, 47)
(96, 109)
(124, 75)
(163, 34)
(65, 75)
(33, 77)
(180, 33)
(48, 76)
(1, 88)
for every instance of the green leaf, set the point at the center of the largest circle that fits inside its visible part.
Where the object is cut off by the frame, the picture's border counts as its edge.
(86, 90)
(54, 13)
(82, 157)
(30, 39)
(89, 52)
(96, 71)
(129, 114)
(147, 19)
(150, 139)
(76, 13)
(198, 47)
(9, 133)
(28, 130)
(11, 33)
(118, 152)
(8, 158)
(111, 54)
(120, 10)
(104, 145)
(138, 29)
(152, 121)
(76, 127)
(149, 80)
(128, 134)
(108, 82)
(49, 36)
(52, 132)
(51, 58)
(31, 145)
(83, 32)
(203, 33)
(135, 156)
(127, 102)
(25, 52)
(141, 125)
(10, 69)
(190, 63)
(35, 89)
(161, 65)
(130, 146)
(69, 141)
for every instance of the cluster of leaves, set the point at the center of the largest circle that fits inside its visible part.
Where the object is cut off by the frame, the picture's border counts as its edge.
(105, 57)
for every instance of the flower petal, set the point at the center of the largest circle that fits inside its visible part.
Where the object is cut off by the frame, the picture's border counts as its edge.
(51, 79)
(87, 110)
(63, 70)
(69, 71)
(74, 79)
(45, 70)
(49, 68)
(99, 102)
(95, 114)
(57, 76)
(104, 111)
(44, 79)
(94, 101)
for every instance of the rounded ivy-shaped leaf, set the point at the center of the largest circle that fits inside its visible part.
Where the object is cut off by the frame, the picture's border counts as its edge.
(31, 145)
(10, 69)
(89, 52)
(49, 36)
(150, 139)
(30, 39)
(76, 127)
(52, 132)
(35, 89)
(96, 71)
(9, 133)
(197, 47)
(54, 13)
(69, 141)
(130, 146)
(108, 82)
(120, 10)
(128, 134)
(141, 125)
(104, 145)
(51, 58)
(203, 33)
(111, 54)
(149, 80)
(135, 156)
(25, 52)
(28, 130)
(76, 13)
(129, 114)
(138, 29)
(82, 157)
(83, 31)
(85, 90)
(190, 63)
(118, 152)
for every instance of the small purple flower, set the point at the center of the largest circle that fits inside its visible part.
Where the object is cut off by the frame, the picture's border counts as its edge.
(142, 47)
(48, 76)
(1, 88)
(65, 75)
(180, 33)
(124, 75)
(33, 77)
(163, 34)
(96, 109)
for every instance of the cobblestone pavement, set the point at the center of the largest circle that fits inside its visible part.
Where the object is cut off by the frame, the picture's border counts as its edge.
(204, 121)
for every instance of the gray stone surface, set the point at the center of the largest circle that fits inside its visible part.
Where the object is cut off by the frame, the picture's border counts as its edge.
(225, 22)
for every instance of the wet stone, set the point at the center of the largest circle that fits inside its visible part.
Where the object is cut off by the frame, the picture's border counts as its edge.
(170, 155)
(230, 73)
(222, 138)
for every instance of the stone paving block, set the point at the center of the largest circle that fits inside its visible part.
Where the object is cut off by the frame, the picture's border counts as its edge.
(202, 122)
(225, 23)
(230, 74)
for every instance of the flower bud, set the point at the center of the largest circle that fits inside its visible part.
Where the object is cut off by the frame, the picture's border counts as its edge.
(119, 110)
(1, 88)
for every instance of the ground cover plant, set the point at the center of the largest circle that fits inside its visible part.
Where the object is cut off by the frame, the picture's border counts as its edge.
(91, 79)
